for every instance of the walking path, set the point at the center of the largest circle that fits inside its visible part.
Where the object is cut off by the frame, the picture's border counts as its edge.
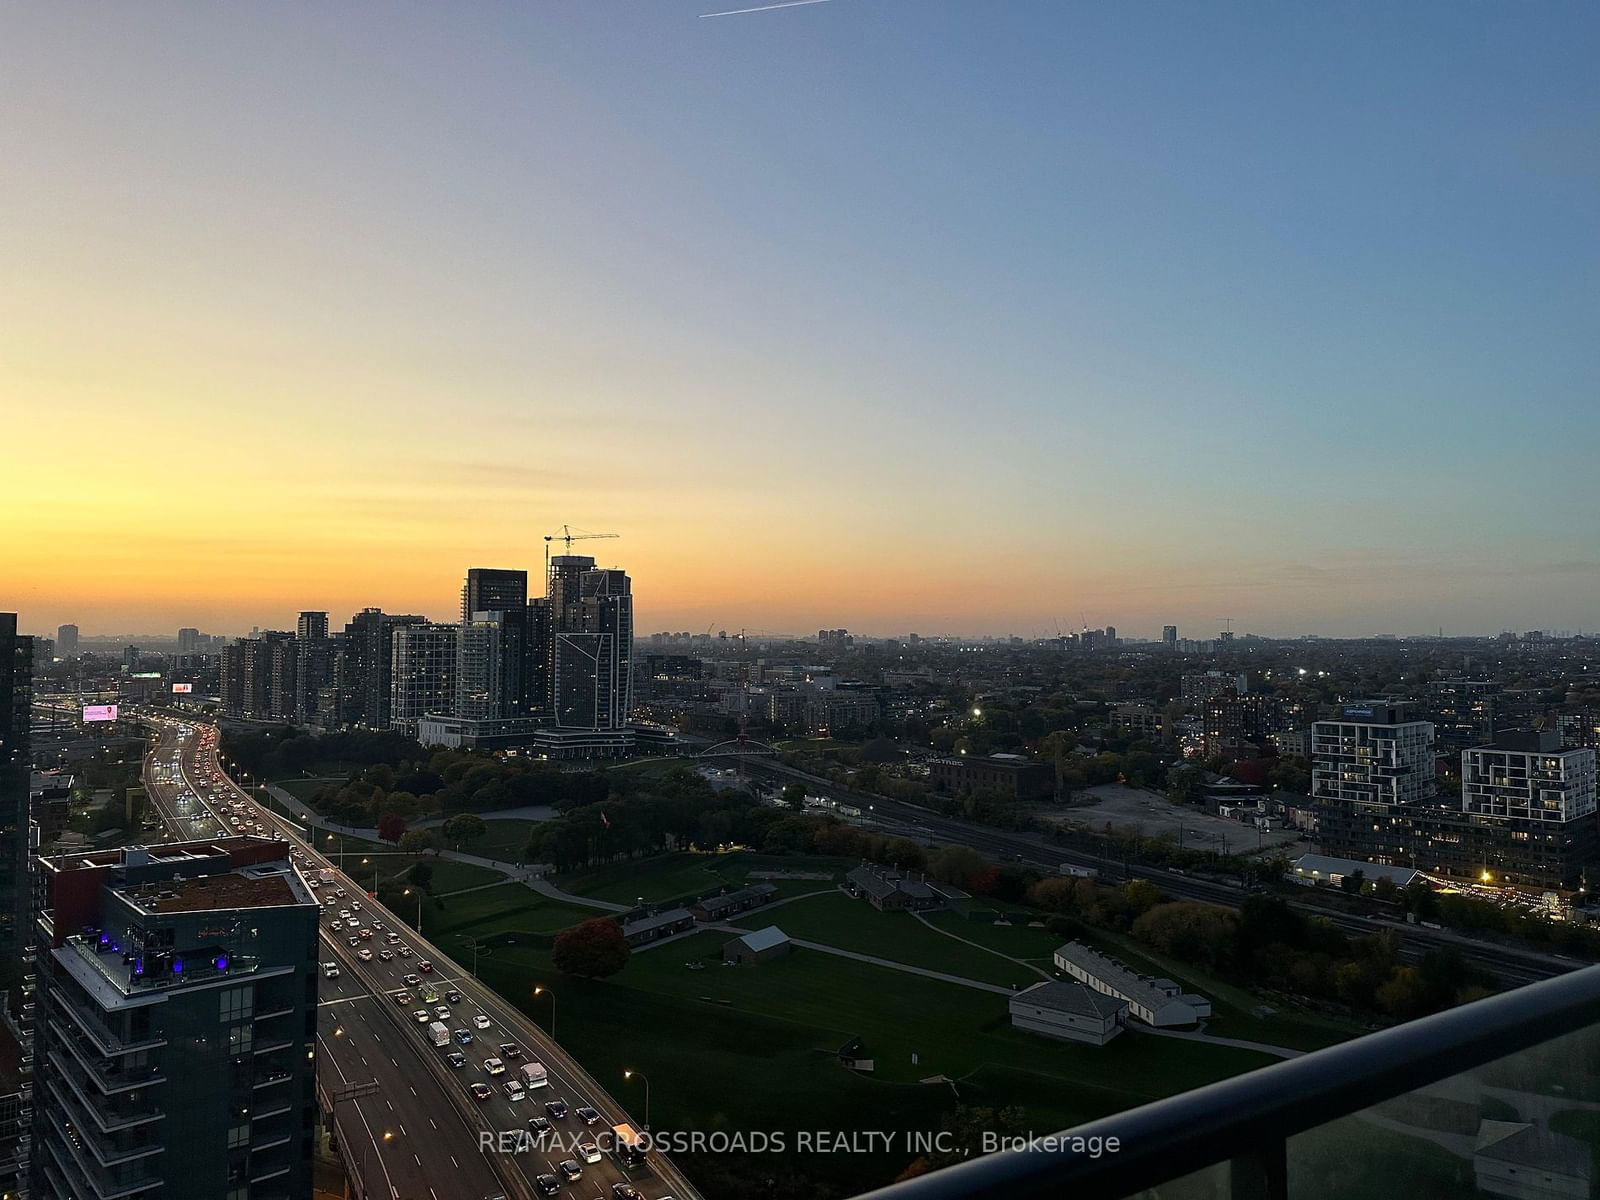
(873, 959)
(545, 888)
(1039, 971)
(1199, 1036)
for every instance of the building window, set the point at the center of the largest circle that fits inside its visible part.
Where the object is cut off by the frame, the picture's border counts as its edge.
(240, 1039)
(238, 1136)
(238, 1004)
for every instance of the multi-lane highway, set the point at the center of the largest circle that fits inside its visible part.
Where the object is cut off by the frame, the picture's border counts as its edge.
(412, 1120)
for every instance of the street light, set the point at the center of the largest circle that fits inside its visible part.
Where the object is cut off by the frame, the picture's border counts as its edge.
(629, 1074)
(541, 990)
(407, 892)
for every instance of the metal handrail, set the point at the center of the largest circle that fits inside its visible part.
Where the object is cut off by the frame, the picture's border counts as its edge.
(1248, 1118)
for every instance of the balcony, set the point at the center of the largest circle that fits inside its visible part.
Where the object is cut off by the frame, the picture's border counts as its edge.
(1498, 1097)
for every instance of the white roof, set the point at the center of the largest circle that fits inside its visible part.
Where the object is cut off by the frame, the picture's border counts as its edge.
(765, 939)
(1324, 866)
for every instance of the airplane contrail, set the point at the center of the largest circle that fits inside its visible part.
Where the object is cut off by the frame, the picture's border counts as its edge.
(737, 12)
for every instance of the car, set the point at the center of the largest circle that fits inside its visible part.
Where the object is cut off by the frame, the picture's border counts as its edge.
(377, 925)
(392, 938)
(625, 1191)
(482, 1091)
(555, 1109)
(413, 980)
(481, 1021)
(330, 970)
(352, 923)
(587, 1114)
(340, 892)
(364, 954)
(494, 1066)
(456, 1059)
(514, 1090)
(453, 996)
(386, 955)
(365, 935)
(355, 941)
(442, 1012)
(404, 952)
(430, 996)
(425, 967)
(355, 906)
(539, 1125)
(313, 884)
(570, 1170)
(422, 1016)
(547, 1184)
(344, 914)
(402, 997)
(510, 1050)
(589, 1152)
(464, 1036)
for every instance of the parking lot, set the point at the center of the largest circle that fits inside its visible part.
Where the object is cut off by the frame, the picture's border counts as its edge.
(1151, 815)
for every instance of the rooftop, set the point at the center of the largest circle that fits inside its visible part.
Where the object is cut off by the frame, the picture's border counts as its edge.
(764, 939)
(1143, 991)
(1070, 996)
(232, 889)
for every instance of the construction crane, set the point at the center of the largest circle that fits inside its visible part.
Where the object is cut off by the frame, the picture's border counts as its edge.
(1227, 623)
(568, 536)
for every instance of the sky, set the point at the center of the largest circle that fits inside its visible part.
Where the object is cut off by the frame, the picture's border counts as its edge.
(975, 316)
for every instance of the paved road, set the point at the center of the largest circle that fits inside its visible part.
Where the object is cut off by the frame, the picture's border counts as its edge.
(422, 1104)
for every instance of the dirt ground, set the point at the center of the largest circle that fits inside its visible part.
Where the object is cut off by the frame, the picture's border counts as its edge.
(1150, 813)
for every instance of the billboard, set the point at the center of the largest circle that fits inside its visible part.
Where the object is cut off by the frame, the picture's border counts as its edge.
(99, 712)
(179, 689)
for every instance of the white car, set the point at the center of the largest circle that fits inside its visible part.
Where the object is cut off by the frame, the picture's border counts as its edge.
(494, 1066)
(482, 1022)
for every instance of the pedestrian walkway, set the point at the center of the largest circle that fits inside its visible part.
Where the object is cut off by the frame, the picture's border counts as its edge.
(874, 960)
(545, 888)
(1040, 972)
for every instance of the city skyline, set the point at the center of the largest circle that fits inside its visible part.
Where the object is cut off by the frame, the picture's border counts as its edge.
(1154, 310)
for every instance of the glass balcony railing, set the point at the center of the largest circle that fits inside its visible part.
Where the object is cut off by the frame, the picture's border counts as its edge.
(1496, 1098)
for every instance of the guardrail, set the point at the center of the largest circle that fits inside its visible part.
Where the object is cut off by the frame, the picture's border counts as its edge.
(1246, 1121)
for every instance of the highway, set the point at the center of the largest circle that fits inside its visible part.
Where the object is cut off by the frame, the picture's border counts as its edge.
(1512, 965)
(415, 1136)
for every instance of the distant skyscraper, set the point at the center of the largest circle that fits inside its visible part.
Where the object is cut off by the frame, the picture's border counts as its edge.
(312, 626)
(423, 677)
(365, 667)
(562, 590)
(188, 641)
(67, 641)
(177, 1015)
(490, 589)
(16, 695)
(1169, 636)
(592, 681)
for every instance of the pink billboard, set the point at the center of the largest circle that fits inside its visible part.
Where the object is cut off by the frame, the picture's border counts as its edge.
(99, 712)
(180, 688)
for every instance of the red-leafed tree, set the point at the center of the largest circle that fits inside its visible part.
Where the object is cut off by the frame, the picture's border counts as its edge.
(592, 950)
(391, 827)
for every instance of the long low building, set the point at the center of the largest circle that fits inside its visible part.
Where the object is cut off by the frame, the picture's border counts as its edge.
(1157, 1002)
(1312, 869)
(1070, 1011)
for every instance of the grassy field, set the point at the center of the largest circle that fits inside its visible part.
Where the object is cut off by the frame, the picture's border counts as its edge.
(837, 920)
(754, 1048)
(679, 876)
(505, 840)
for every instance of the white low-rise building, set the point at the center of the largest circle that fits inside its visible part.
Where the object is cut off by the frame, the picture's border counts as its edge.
(1070, 1011)
(1156, 1002)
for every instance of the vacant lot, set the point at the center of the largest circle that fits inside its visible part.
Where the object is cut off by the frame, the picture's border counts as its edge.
(1150, 814)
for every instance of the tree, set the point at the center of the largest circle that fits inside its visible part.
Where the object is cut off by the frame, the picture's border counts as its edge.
(463, 828)
(391, 827)
(416, 841)
(421, 873)
(794, 795)
(595, 949)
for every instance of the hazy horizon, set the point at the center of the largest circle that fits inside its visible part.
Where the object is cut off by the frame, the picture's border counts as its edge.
(941, 315)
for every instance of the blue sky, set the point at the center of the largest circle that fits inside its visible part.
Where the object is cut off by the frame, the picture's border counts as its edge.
(1280, 311)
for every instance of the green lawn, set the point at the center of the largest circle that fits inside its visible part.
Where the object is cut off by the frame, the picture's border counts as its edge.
(754, 1048)
(680, 876)
(505, 840)
(837, 920)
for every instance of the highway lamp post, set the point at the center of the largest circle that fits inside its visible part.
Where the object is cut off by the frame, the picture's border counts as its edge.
(629, 1075)
(407, 892)
(541, 990)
